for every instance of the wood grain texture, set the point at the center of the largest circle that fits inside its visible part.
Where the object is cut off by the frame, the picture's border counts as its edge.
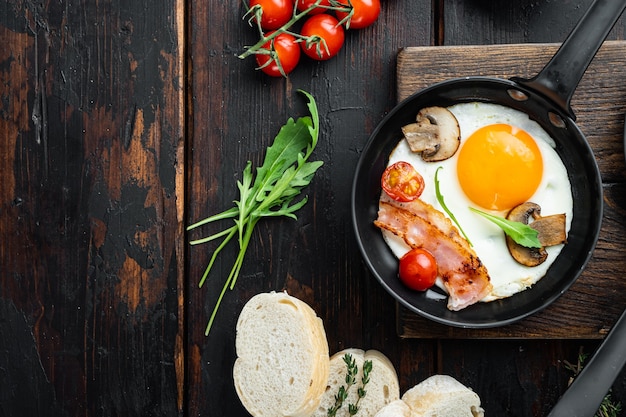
(122, 121)
(599, 102)
(594, 302)
(237, 111)
(484, 22)
(91, 207)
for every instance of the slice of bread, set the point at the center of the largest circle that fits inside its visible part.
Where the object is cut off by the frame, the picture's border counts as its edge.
(397, 408)
(443, 396)
(283, 370)
(282, 360)
(437, 396)
(382, 389)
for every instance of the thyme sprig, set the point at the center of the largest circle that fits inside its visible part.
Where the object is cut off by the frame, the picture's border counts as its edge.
(352, 370)
(361, 392)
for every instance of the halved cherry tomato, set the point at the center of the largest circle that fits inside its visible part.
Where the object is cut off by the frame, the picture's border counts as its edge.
(402, 182)
(287, 51)
(302, 5)
(365, 13)
(275, 12)
(325, 29)
(418, 269)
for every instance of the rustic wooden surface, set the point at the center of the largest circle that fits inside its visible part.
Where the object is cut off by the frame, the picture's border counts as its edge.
(591, 306)
(92, 210)
(121, 122)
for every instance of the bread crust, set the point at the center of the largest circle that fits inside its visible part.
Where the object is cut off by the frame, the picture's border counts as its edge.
(283, 369)
(282, 357)
(382, 389)
(437, 396)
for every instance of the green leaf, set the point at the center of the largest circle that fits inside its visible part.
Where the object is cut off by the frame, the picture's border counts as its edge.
(315, 119)
(282, 176)
(521, 233)
(226, 214)
(445, 208)
(283, 153)
(290, 184)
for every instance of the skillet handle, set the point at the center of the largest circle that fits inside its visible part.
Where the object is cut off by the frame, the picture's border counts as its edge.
(560, 77)
(584, 396)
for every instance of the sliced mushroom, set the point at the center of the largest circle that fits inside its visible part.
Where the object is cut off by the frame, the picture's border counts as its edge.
(436, 134)
(550, 232)
(551, 229)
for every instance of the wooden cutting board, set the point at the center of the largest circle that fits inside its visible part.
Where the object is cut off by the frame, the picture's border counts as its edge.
(591, 306)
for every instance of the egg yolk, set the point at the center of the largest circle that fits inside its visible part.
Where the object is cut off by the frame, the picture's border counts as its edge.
(499, 167)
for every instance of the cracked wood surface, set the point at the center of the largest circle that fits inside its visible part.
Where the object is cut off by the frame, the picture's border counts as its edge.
(122, 122)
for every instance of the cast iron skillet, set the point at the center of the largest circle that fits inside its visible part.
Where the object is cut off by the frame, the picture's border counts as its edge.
(546, 99)
(584, 397)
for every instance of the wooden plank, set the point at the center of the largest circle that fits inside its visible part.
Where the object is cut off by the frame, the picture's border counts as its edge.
(594, 302)
(91, 130)
(497, 22)
(237, 111)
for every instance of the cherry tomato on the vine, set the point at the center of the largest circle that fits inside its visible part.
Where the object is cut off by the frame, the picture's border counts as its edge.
(302, 5)
(275, 12)
(287, 51)
(402, 182)
(328, 31)
(418, 269)
(365, 13)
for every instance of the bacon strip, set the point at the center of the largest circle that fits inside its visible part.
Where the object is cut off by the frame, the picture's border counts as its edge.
(431, 215)
(422, 226)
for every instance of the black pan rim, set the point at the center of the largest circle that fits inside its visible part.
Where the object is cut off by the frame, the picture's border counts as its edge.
(476, 319)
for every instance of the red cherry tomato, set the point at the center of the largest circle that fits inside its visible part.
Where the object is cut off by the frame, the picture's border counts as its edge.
(287, 51)
(418, 269)
(365, 13)
(328, 31)
(275, 12)
(402, 182)
(302, 5)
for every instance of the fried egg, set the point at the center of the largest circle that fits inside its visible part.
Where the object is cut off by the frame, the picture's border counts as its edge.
(504, 159)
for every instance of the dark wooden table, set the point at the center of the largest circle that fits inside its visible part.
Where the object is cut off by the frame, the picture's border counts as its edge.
(123, 122)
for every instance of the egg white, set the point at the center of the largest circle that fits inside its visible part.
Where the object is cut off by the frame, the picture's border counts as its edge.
(553, 195)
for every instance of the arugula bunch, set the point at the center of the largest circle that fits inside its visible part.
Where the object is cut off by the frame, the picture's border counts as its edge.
(285, 171)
